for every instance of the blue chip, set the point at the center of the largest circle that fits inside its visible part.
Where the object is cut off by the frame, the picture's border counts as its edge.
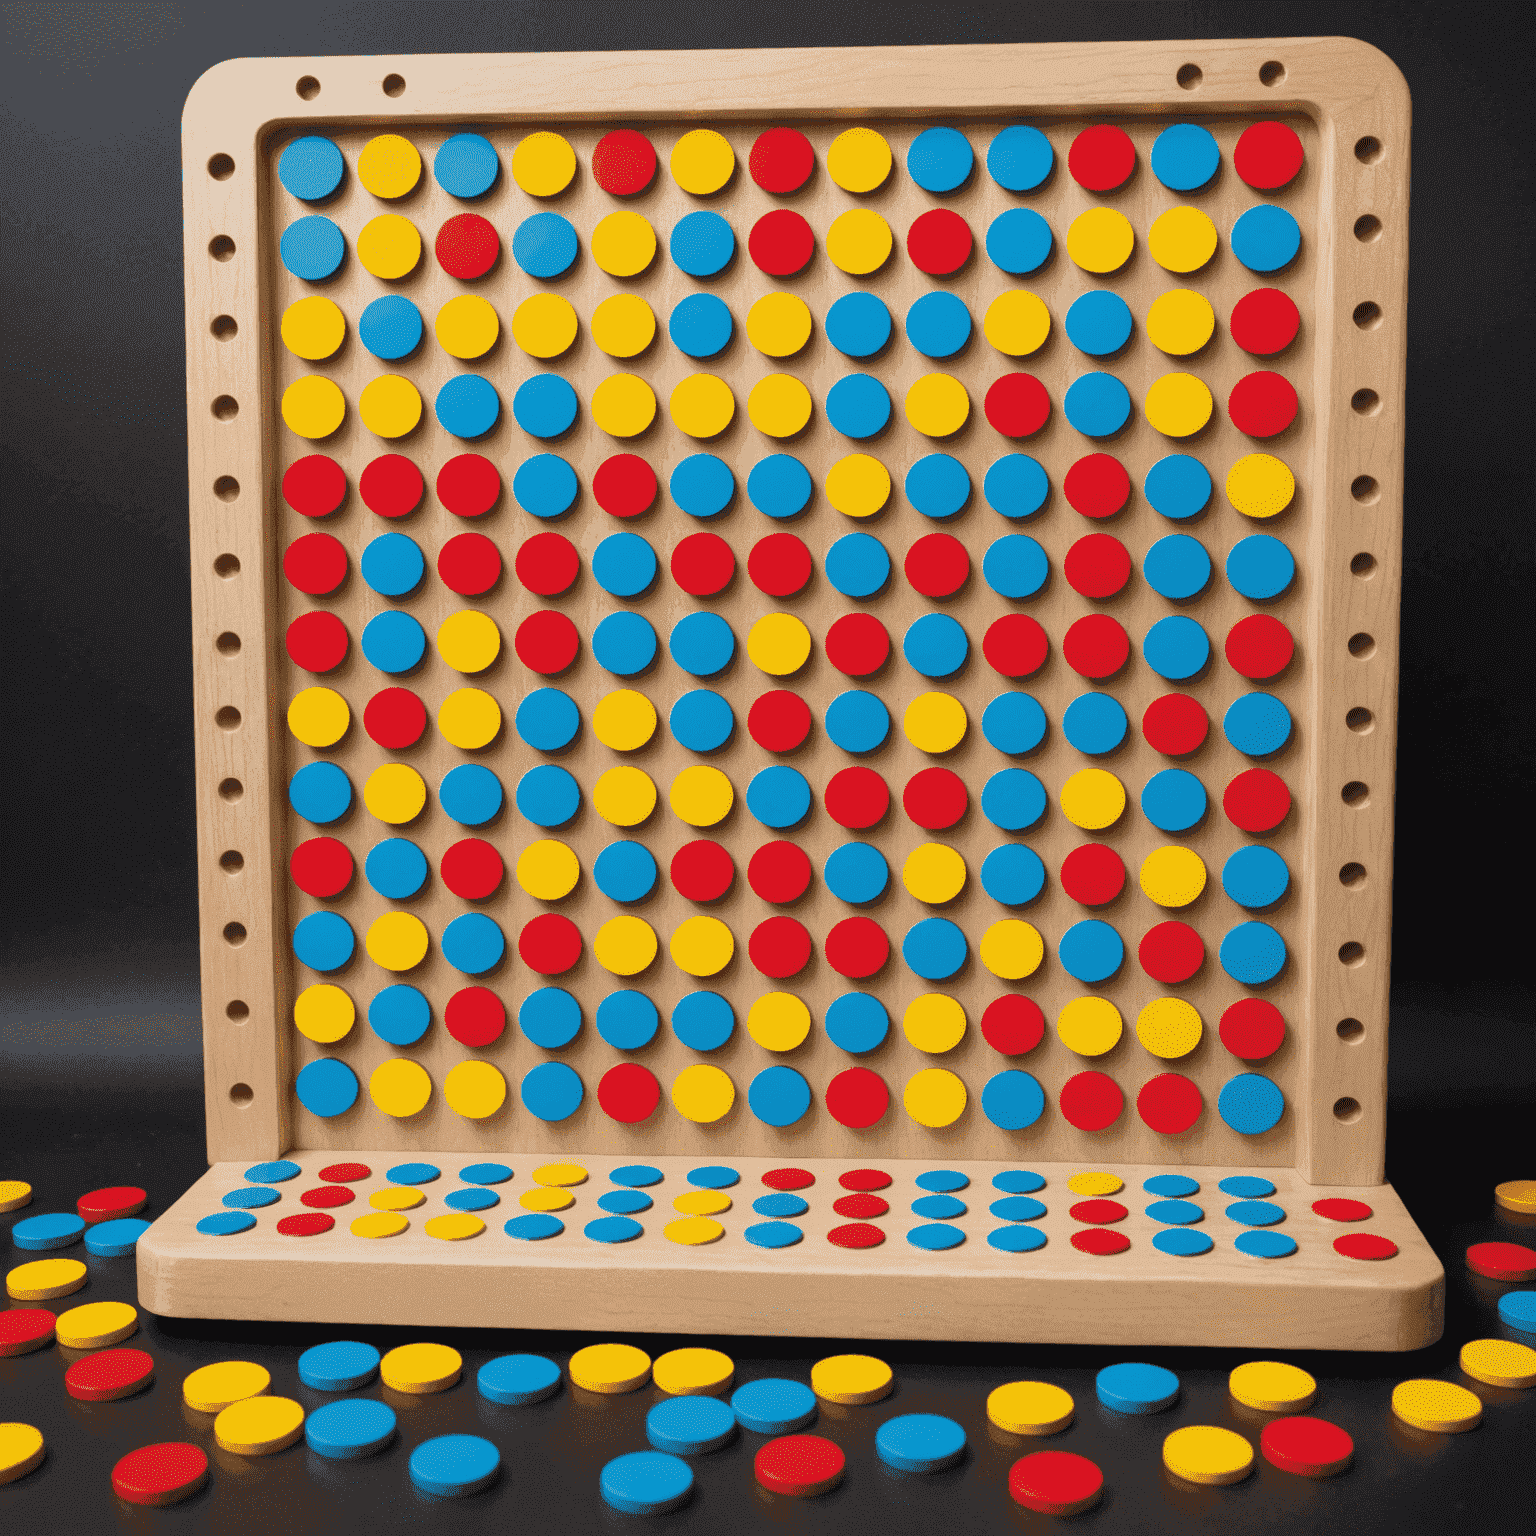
(547, 719)
(1246, 1186)
(702, 644)
(858, 721)
(548, 796)
(690, 1426)
(935, 1236)
(703, 485)
(1174, 1186)
(349, 1430)
(310, 168)
(1099, 323)
(312, 248)
(1255, 877)
(544, 245)
(857, 565)
(1176, 648)
(1173, 800)
(1013, 800)
(1184, 157)
(703, 1021)
(1020, 158)
(472, 1199)
(1097, 404)
(1017, 1208)
(396, 868)
(534, 1227)
(858, 406)
(544, 406)
(778, 1096)
(636, 1176)
(485, 1173)
(252, 1198)
(779, 486)
(627, 1020)
(714, 1176)
(1015, 566)
(1013, 875)
(1020, 1239)
(779, 797)
(612, 1229)
(938, 486)
(773, 1406)
(938, 1207)
(414, 1173)
(625, 871)
(1517, 1309)
(1260, 567)
(1136, 1388)
(701, 244)
(780, 1205)
(1175, 1213)
(390, 327)
(1178, 486)
(940, 159)
(1014, 723)
(549, 1017)
(1091, 950)
(341, 1366)
(392, 564)
(1018, 1181)
(773, 1234)
(226, 1223)
(278, 1172)
(321, 793)
(552, 1091)
(518, 1380)
(1094, 723)
(1257, 724)
(934, 949)
(394, 642)
(470, 794)
(938, 324)
(1177, 567)
(324, 941)
(702, 721)
(1265, 1245)
(857, 1022)
(545, 485)
(646, 1483)
(1019, 241)
(624, 1202)
(1255, 1213)
(1012, 1100)
(474, 944)
(700, 326)
(936, 645)
(858, 325)
(1016, 486)
(920, 1442)
(326, 1088)
(856, 873)
(624, 564)
(624, 644)
(1181, 1242)
(1266, 238)
(115, 1239)
(468, 407)
(453, 1466)
(1250, 1103)
(466, 166)
(1252, 953)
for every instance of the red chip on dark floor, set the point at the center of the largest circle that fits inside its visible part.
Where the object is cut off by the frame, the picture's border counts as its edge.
(315, 485)
(1171, 953)
(391, 486)
(475, 1016)
(1091, 1101)
(1015, 645)
(317, 641)
(160, 1474)
(1365, 1245)
(469, 485)
(856, 798)
(1098, 565)
(467, 246)
(857, 947)
(550, 944)
(623, 162)
(857, 1098)
(1017, 405)
(624, 485)
(1306, 1446)
(1100, 1240)
(1259, 646)
(937, 565)
(789, 1178)
(781, 161)
(1012, 1025)
(23, 1329)
(1101, 158)
(472, 869)
(1096, 646)
(865, 1178)
(803, 1465)
(703, 564)
(1098, 1212)
(1175, 724)
(856, 1234)
(546, 642)
(1501, 1261)
(1257, 800)
(110, 1374)
(327, 1197)
(780, 947)
(628, 1093)
(781, 243)
(1252, 1029)
(114, 1201)
(310, 1224)
(935, 798)
(321, 867)
(1339, 1209)
(779, 564)
(1169, 1104)
(861, 1207)
(1097, 485)
(469, 564)
(779, 721)
(858, 644)
(939, 242)
(1093, 874)
(394, 718)
(779, 872)
(1055, 1482)
(1262, 404)
(315, 563)
(547, 564)
(345, 1173)
(702, 870)
(1265, 321)
(1267, 155)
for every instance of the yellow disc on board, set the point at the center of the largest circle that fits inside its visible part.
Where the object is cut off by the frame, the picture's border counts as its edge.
(1259, 485)
(1030, 1408)
(1512, 1195)
(1093, 799)
(1178, 404)
(22, 1449)
(543, 164)
(546, 1200)
(1439, 1406)
(395, 793)
(934, 1097)
(778, 324)
(1182, 239)
(1173, 876)
(625, 945)
(702, 796)
(380, 1224)
(779, 644)
(935, 722)
(314, 406)
(468, 640)
(1095, 1182)
(779, 1021)
(259, 1426)
(937, 405)
(474, 1089)
(1101, 240)
(389, 246)
(469, 718)
(624, 797)
(421, 1368)
(1204, 1453)
(693, 1231)
(859, 160)
(96, 1324)
(14, 1193)
(852, 1379)
(703, 1094)
(1499, 1362)
(1090, 1026)
(934, 1023)
(1180, 322)
(934, 873)
(324, 1013)
(702, 161)
(694, 1372)
(702, 405)
(389, 406)
(702, 946)
(610, 1368)
(45, 1279)
(400, 1088)
(623, 244)
(779, 406)
(389, 165)
(560, 1175)
(1012, 949)
(702, 1202)
(859, 242)
(1272, 1386)
(1169, 1027)
(319, 717)
(313, 328)
(858, 485)
(454, 1227)
(624, 720)
(545, 325)
(467, 326)
(212, 1388)
(623, 405)
(1017, 322)
(396, 1198)
(623, 325)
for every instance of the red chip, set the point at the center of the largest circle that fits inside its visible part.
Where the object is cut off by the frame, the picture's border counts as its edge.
(858, 644)
(1098, 565)
(345, 1173)
(467, 246)
(1101, 158)
(937, 565)
(857, 947)
(1055, 1482)
(315, 564)
(469, 564)
(861, 1207)
(1502, 1261)
(1175, 724)
(624, 485)
(23, 1329)
(1017, 405)
(1259, 646)
(112, 1202)
(623, 163)
(475, 1016)
(803, 1464)
(1366, 1245)
(547, 564)
(865, 1178)
(939, 242)
(327, 1197)
(391, 485)
(1342, 1210)
(781, 243)
(781, 161)
(702, 564)
(1098, 1212)
(1015, 645)
(1097, 485)
(1257, 800)
(1093, 874)
(1013, 1025)
(1091, 1101)
(702, 870)
(469, 485)
(857, 1234)
(1306, 1446)
(109, 1375)
(394, 718)
(1169, 1104)
(1262, 404)
(789, 1178)
(779, 721)
(472, 869)
(1096, 646)
(779, 564)
(935, 798)
(856, 798)
(315, 485)
(1267, 155)
(550, 944)
(1265, 321)
(857, 1098)
(628, 1093)
(322, 867)
(1252, 1029)
(316, 641)
(1100, 1241)
(779, 872)
(546, 642)
(780, 947)
(1171, 953)
(160, 1474)
(310, 1224)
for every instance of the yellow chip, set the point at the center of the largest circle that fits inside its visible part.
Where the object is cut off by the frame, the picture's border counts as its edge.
(1182, 239)
(1203, 1453)
(702, 1202)
(702, 796)
(778, 1021)
(314, 406)
(702, 161)
(389, 166)
(859, 160)
(624, 797)
(623, 244)
(545, 325)
(625, 945)
(324, 1013)
(1169, 1027)
(456, 1226)
(560, 1175)
(259, 1426)
(702, 405)
(1259, 485)
(1090, 1026)
(468, 640)
(859, 242)
(467, 326)
(96, 1325)
(935, 722)
(1180, 322)
(703, 1093)
(702, 946)
(851, 1379)
(469, 718)
(779, 644)
(389, 406)
(1017, 323)
(543, 164)
(14, 1193)
(778, 324)
(934, 872)
(858, 485)
(313, 328)
(395, 793)
(623, 405)
(1101, 240)
(694, 1372)
(1512, 1195)
(610, 1368)
(1095, 1182)
(1030, 1408)
(693, 1231)
(1173, 876)
(1178, 404)
(421, 1368)
(1499, 1362)
(400, 1088)
(937, 405)
(934, 1097)
(212, 1388)
(319, 717)
(21, 1451)
(1012, 949)
(380, 1224)
(476, 1090)
(45, 1279)
(1272, 1386)
(396, 1198)
(624, 720)
(779, 405)
(934, 1023)
(546, 1200)
(623, 325)
(1093, 799)
(1439, 1406)
(389, 246)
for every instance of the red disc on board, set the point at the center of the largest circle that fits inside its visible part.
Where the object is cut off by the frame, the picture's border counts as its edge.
(1091, 1101)
(315, 563)
(391, 485)
(1338, 1209)
(781, 243)
(939, 242)
(1093, 874)
(550, 944)
(1267, 155)
(467, 246)
(322, 867)
(469, 564)
(1101, 158)
(935, 798)
(857, 947)
(623, 162)
(327, 1197)
(112, 1202)
(395, 718)
(858, 644)
(861, 1207)
(546, 642)
(1502, 1261)
(856, 798)
(1169, 1104)
(109, 1375)
(628, 1093)
(1265, 321)
(1171, 953)
(781, 161)
(802, 1465)
(779, 721)
(1099, 1213)
(315, 485)
(779, 564)
(937, 565)
(472, 869)
(1252, 1029)
(1368, 1245)
(23, 1329)
(702, 870)
(345, 1173)
(1055, 1482)
(1096, 646)
(857, 1234)
(1099, 1240)
(1257, 800)
(310, 1224)
(316, 641)
(857, 1098)
(624, 485)
(160, 1474)
(1259, 647)
(865, 1178)
(1306, 1446)
(789, 1178)
(780, 947)
(1017, 405)
(1015, 645)
(547, 564)
(469, 485)
(1098, 565)
(703, 564)
(779, 872)
(1013, 1025)
(1262, 404)
(1175, 725)
(1097, 485)
(475, 1016)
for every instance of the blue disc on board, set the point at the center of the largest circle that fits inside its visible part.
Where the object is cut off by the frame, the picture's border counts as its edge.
(856, 873)
(624, 1202)
(858, 324)
(1250, 1103)
(934, 949)
(690, 1426)
(552, 1091)
(939, 486)
(312, 248)
(326, 1088)
(468, 407)
(454, 1466)
(702, 721)
(485, 1173)
(943, 1181)
(1020, 158)
(1246, 1186)
(1017, 1208)
(702, 644)
(115, 1239)
(1257, 724)
(545, 486)
(624, 644)
(703, 1021)
(1018, 1181)
(1177, 486)
(1517, 1309)
(544, 245)
(1016, 485)
(341, 1366)
(935, 1236)
(779, 1096)
(1013, 800)
(414, 1173)
(625, 871)
(392, 564)
(1252, 953)
(1013, 875)
(714, 1176)
(252, 1198)
(310, 168)
(858, 406)
(779, 797)
(780, 1205)
(1097, 404)
(390, 327)
(1266, 238)
(1134, 1388)
(1094, 723)
(627, 1020)
(394, 642)
(1175, 1213)
(624, 564)
(1255, 1213)
(1098, 323)
(1091, 950)
(544, 406)
(351, 1429)
(703, 486)
(779, 486)
(518, 1380)
(938, 1207)
(324, 941)
(1255, 877)
(773, 1405)
(701, 243)
(1014, 723)
(773, 1234)
(278, 1172)
(474, 943)
(1182, 1242)
(396, 868)
(1173, 800)
(321, 793)
(472, 1200)
(549, 1018)
(534, 1227)
(1012, 1100)
(547, 719)
(612, 1229)
(636, 1176)
(1184, 157)
(1171, 1186)
(940, 159)
(857, 1022)
(1015, 566)
(1019, 1239)
(226, 1223)
(646, 1483)
(920, 1442)
(1019, 241)
(1177, 567)
(1260, 567)
(54, 1229)
(858, 565)
(938, 324)
(936, 645)
(700, 326)
(1176, 648)
(1265, 1245)
(466, 165)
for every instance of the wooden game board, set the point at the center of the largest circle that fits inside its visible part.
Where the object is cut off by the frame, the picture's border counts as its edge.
(1349, 109)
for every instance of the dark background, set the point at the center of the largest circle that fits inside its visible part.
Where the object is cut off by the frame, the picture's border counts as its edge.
(99, 1036)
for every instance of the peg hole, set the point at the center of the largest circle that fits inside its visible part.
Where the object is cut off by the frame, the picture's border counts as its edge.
(1365, 402)
(1351, 1031)
(221, 247)
(1347, 1110)
(1272, 73)
(231, 862)
(241, 1094)
(1368, 228)
(231, 790)
(221, 167)
(1362, 646)
(1352, 876)
(1368, 150)
(394, 85)
(228, 644)
(1352, 954)
(1363, 566)
(224, 327)
(234, 934)
(226, 566)
(1360, 720)
(1365, 490)
(226, 488)
(228, 718)
(1189, 76)
(237, 1011)
(1356, 795)
(307, 87)
(1368, 315)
